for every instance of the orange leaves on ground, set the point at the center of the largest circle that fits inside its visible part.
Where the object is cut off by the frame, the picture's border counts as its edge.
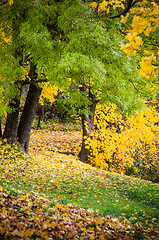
(26, 217)
(55, 142)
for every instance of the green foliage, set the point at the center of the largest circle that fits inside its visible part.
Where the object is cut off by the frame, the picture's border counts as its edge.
(66, 41)
(93, 59)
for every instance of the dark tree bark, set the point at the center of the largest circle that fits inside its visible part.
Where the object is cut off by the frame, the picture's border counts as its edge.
(27, 117)
(21, 133)
(11, 126)
(40, 113)
(0, 128)
(87, 128)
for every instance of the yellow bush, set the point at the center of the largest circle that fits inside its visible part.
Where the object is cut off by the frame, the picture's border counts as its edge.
(126, 146)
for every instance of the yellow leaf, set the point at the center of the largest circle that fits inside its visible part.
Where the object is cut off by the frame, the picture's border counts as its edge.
(30, 204)
(94, 4)
(10, 2)
(59, 206)
(17, 233)
(124, 19)
(103, 5)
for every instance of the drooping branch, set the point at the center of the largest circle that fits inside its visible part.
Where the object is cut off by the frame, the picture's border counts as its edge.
(130, 4)
(2, 3)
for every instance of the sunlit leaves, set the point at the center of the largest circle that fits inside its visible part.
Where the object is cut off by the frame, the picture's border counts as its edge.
(141, 22)
(135, 42)
(49, 93)
(94, 4)
(144, 24)
(99, 64)
(10, 2)
(116, 143)
(147, 67)
(108, 5)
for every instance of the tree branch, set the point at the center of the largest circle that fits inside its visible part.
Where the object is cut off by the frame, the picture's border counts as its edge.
(27, 81)
(137, 90)
(126, 10)
(2, 3)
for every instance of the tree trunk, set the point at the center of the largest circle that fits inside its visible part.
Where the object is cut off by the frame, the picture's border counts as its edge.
(0, 128)
(40, 113)
(87, 128)
(11, 126)
(27, 117)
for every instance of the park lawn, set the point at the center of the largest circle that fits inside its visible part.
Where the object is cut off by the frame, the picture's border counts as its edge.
(53, 178)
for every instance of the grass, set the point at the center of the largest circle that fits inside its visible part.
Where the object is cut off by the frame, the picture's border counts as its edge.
(66, 179)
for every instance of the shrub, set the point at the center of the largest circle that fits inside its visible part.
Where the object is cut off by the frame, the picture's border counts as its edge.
(126, 146)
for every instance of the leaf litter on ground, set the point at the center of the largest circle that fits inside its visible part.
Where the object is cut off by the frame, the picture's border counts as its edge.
(45, 197)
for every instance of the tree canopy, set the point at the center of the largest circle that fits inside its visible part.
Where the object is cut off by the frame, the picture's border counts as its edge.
(45, 31)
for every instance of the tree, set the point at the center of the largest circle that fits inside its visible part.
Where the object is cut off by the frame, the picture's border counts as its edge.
(68, 44)
(28, 53)
(99, 71)
(143, 34)
(0, 129)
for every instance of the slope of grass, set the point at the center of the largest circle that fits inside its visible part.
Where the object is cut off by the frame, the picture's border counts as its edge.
(30, 187)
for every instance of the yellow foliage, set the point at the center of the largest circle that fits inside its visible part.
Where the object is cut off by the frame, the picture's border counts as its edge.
(124, 19)
(147, 69)
(3, 38)
(94, 4)
(10, 2)
(23, 74)
(48, 92)
(115, 150)
(106, 5)
(145, 20)
(103, 5)
(134, 43)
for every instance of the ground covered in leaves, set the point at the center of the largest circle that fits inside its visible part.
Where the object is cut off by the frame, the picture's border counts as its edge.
(31, 216)
(52, 195)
